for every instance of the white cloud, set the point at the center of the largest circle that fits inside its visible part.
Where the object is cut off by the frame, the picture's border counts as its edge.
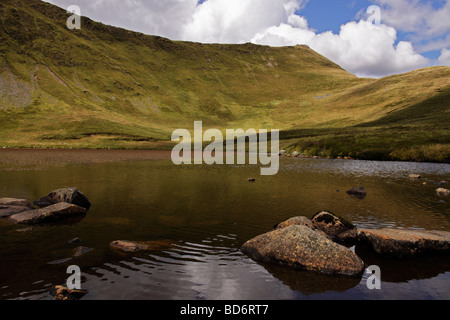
(237, 21)
(360, 47)
(444, 59)
(416, 16)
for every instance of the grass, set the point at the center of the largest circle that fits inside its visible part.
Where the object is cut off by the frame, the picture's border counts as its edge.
(105, 87)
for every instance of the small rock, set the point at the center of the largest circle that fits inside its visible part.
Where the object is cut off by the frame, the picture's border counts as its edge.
(81, 250)
(331, 224)
(443, 192)
(15, 202)
(75, 240)
(68, 195)
(134, 246)
(359, 192)
(52, 213)
(64, 293)
(7, 211)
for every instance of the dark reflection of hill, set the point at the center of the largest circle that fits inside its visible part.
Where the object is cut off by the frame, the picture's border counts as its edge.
(404, 270)
(310, 283)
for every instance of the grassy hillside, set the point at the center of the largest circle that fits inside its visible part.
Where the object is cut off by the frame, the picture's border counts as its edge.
(105, 87)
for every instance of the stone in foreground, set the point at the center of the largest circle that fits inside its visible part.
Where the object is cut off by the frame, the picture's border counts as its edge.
(405, 243)
(64, 293)
(302, 248)
(68, 195)
(48, 214)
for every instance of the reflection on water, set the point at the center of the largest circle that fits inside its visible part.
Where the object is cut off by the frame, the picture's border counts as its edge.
(207, 213)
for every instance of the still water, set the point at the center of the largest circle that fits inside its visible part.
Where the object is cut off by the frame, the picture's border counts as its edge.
(206, 213)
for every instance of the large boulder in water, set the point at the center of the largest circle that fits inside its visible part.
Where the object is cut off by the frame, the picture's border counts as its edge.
(48, 214)
(69, 195)
(303, 248)
(405, 243)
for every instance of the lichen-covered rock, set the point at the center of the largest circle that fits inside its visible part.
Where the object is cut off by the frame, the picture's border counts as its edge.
(331, 224)
(405, 243)
(303, 248)
(68, 195)
(48, 214)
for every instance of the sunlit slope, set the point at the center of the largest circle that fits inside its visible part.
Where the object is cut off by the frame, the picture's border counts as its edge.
(105, 87)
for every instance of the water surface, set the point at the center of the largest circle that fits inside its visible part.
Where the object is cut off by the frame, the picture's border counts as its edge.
(206, 213)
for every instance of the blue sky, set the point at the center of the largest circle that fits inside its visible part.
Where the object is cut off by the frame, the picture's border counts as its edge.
(324, 15)
(412, 34)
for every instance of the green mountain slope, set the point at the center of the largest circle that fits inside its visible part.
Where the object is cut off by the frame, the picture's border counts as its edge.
(105, 87)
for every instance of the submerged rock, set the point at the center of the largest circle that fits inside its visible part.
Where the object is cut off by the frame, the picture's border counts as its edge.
(303, 248)
(81, 251)
(405, 243)
(48, 214)
(69, 195)
(331, 224)
(64, 293)
(358, 192)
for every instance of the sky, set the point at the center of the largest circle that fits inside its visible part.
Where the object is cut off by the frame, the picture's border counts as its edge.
(369, 38)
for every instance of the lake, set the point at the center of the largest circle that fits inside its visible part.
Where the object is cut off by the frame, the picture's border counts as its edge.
(202, 215)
